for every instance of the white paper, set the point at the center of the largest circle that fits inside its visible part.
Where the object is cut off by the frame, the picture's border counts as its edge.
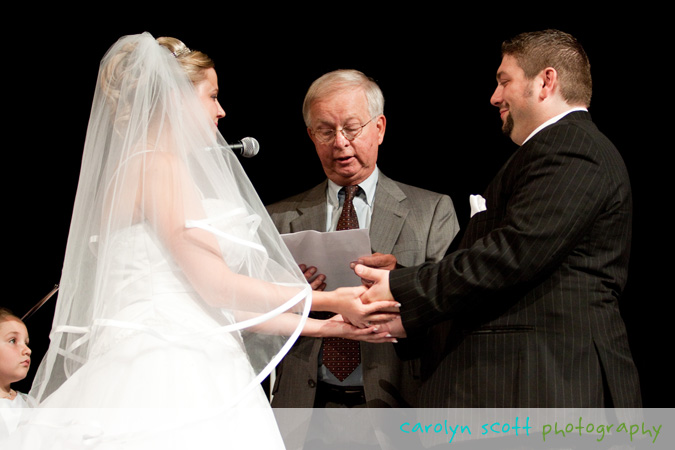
(331, 253)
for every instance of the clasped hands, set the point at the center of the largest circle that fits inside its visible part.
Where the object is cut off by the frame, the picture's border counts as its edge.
(371, 306)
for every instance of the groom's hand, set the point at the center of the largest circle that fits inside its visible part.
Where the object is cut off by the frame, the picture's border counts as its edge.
(378, 281)
(393, 328)
(375, 261)
(378, 291)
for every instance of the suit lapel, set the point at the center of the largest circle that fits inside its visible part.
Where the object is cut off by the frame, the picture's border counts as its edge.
(499, 190)
(389, 214)
(312, 212)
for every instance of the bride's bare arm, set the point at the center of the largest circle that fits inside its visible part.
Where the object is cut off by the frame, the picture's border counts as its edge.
(337, 327)
(286, 323)
(169, 199)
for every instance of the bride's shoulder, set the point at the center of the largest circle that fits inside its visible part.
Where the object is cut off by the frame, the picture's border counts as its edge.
(160, 162)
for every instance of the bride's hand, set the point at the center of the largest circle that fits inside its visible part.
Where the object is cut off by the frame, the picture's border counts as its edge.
(337, 327)
(347, 303)
(393, 328)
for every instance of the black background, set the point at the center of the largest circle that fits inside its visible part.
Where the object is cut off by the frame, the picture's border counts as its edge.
(436, 68)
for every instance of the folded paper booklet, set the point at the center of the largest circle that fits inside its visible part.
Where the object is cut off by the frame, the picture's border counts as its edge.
(331, 253)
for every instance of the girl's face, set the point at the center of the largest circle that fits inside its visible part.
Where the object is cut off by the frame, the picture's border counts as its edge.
(14, 351)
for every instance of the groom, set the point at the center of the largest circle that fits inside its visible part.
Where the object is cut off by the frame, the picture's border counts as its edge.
(533, 291)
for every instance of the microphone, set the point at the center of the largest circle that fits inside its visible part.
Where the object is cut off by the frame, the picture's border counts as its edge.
(248, 147)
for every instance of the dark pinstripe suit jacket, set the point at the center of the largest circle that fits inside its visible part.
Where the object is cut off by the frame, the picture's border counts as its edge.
(413, 224)
(527, 309)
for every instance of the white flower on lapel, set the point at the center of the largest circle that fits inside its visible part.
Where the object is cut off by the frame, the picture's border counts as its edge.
(477, 204)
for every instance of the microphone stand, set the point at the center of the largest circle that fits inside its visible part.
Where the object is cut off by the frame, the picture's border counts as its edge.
(39, 304)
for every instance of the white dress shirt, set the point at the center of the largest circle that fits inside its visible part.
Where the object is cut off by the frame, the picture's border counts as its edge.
(363, 202)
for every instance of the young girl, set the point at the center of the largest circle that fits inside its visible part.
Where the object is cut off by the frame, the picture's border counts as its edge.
(14, 365)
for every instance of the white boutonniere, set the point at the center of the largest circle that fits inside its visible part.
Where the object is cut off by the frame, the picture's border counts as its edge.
(477, 204)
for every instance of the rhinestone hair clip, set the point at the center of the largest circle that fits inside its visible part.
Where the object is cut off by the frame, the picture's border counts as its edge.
(181, 52)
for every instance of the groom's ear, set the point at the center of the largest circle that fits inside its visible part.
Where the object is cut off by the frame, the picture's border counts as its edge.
(548, 83)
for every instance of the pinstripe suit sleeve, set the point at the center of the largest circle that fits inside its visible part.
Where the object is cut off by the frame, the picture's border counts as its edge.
(540, 206)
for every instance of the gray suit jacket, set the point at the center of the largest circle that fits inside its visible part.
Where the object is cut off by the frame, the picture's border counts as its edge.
(411, 223)
(533, 291)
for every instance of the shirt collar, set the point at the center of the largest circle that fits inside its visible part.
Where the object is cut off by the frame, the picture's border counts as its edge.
(367, 187)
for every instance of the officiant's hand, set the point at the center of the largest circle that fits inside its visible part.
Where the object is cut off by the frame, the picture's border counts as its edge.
(317, 281)
(377, 261)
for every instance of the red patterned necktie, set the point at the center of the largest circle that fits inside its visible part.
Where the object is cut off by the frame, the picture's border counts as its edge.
(342, 356)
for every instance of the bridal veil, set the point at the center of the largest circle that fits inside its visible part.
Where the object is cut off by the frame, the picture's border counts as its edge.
(153, 161)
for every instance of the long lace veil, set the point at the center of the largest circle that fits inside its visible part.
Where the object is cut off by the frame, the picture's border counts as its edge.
(154, 165)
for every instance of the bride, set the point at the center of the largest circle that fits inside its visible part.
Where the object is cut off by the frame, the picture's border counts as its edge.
(177, 296)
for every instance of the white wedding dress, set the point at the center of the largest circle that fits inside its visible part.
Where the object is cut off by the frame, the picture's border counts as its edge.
(165, 218)
(166, 370)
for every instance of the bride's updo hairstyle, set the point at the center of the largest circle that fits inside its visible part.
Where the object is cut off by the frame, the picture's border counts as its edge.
(119, 73)
(193, 62)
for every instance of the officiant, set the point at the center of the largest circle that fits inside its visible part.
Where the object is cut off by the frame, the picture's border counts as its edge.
(344, 114)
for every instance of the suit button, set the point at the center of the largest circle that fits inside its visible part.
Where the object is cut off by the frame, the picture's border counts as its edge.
(311, 383)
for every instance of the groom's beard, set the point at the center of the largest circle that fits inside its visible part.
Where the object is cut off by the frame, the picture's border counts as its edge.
(507, 126)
